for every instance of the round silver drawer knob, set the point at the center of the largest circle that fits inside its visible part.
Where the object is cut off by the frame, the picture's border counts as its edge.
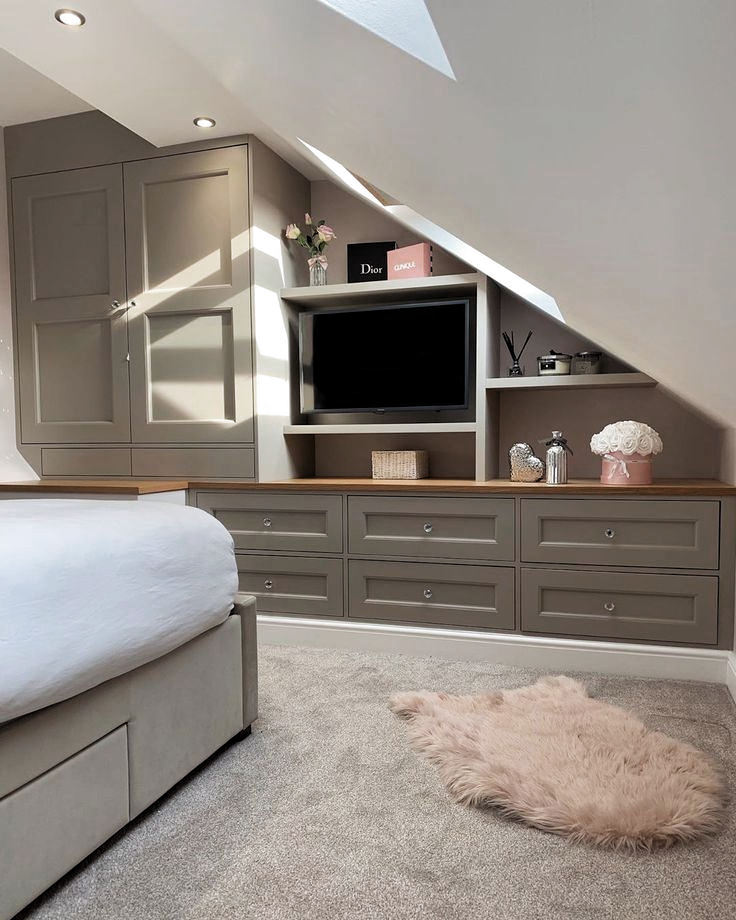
(428, 527)
(268, 584)
(428, 593)
(115, 305)
(267, 522)
(610, 533)
(609, 606)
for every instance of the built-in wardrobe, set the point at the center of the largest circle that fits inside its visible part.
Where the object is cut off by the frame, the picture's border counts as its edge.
(135, 275)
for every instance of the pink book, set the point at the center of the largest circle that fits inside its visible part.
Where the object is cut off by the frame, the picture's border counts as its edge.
(410, 261)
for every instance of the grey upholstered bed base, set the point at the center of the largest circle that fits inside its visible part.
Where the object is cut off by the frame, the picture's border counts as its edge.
(73, 774)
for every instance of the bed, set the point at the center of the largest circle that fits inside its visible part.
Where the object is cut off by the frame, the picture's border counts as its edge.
(126, 659)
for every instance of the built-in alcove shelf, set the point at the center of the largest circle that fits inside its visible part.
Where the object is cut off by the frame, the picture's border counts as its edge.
(571, 381)
(345, 295)
(389, 428)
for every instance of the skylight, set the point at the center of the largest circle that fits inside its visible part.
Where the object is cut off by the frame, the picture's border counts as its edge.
(407, 25)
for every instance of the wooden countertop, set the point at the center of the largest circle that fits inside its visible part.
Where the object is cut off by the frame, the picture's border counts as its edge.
(692, 487)
(96, 486)
(470, 486)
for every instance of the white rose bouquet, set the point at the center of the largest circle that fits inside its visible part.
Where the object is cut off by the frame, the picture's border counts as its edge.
(628, 438)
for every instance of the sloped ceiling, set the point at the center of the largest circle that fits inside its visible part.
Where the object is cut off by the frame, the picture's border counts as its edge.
(586, 145)
(26, 95)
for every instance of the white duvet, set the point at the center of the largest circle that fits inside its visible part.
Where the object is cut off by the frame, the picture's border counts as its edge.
(92, 589)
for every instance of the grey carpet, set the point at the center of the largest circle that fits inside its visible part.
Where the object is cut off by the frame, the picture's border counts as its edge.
(324, 814)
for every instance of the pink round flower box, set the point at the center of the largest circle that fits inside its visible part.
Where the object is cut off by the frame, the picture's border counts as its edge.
(616, 465)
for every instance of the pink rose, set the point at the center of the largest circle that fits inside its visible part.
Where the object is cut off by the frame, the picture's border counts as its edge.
(326, 234)
(308, 220)
(292, 232)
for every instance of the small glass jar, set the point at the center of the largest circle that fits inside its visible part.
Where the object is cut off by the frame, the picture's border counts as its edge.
(317, 274)
(587, 362)
(554, 364)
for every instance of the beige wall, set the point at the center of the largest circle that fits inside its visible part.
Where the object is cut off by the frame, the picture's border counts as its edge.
(12, 465)
(354, 221)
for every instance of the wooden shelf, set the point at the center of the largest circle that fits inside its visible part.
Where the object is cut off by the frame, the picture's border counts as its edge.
(389, 428)
(662, 487)
(570, 381)
(364, 292)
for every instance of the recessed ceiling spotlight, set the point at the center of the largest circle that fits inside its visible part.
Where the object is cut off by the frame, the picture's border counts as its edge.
(202, 121)
(70, 17)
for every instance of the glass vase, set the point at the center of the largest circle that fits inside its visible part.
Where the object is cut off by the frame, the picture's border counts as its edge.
(317, 274)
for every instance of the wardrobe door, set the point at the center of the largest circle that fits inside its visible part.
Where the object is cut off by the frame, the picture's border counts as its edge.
(186, 220)
(70, 306)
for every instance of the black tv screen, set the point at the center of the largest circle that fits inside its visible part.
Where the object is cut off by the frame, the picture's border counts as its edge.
(377, 359)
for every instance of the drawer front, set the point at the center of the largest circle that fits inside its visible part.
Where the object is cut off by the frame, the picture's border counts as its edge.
(195, 462)
(85, 461)
(661, 534)
(616, 605)
(293, 585)
(264, 520)
(453, 528)
(51, 823)
(418, 592)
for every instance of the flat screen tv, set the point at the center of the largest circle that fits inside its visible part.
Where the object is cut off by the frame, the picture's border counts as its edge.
(412, 356)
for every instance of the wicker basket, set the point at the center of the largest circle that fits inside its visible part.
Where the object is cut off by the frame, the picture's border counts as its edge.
(399, 464)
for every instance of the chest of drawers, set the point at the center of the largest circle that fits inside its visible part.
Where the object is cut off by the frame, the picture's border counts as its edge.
(639, 568)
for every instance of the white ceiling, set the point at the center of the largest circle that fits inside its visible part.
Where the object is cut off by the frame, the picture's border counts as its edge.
(26, 95)
(587, 146)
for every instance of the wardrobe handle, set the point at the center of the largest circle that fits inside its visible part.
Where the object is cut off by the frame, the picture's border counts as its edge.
(609, 606)
(115, 305)
(428, 593)
(428, 527)
(610, 533)
(268, 584)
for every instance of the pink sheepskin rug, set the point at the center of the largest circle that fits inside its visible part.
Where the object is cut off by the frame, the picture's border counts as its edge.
(560, 761)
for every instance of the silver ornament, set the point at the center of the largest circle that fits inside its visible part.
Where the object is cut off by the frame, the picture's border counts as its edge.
(525, 467)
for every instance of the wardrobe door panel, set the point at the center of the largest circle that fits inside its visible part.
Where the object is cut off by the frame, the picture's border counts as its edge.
(188, 278)
(70, 306)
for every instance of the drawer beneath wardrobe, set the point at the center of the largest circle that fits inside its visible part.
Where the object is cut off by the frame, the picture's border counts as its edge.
(473, 596)
(619, 605)
(284, 584)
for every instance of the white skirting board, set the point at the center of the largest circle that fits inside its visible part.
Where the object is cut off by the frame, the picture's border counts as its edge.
(655, 661)
(731, 674)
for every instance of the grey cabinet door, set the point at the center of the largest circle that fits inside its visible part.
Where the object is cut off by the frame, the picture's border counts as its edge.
(186, 222)
(72, 340)
(660, 534)
(620, 605)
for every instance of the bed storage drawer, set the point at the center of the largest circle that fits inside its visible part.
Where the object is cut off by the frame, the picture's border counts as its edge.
(452, 528)
(268, 521)
(618, 605)
(445, 595)
(287, 584)
(51, 823)
(660, 534)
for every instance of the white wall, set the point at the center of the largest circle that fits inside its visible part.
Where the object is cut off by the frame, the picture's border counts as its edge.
(12, 466)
